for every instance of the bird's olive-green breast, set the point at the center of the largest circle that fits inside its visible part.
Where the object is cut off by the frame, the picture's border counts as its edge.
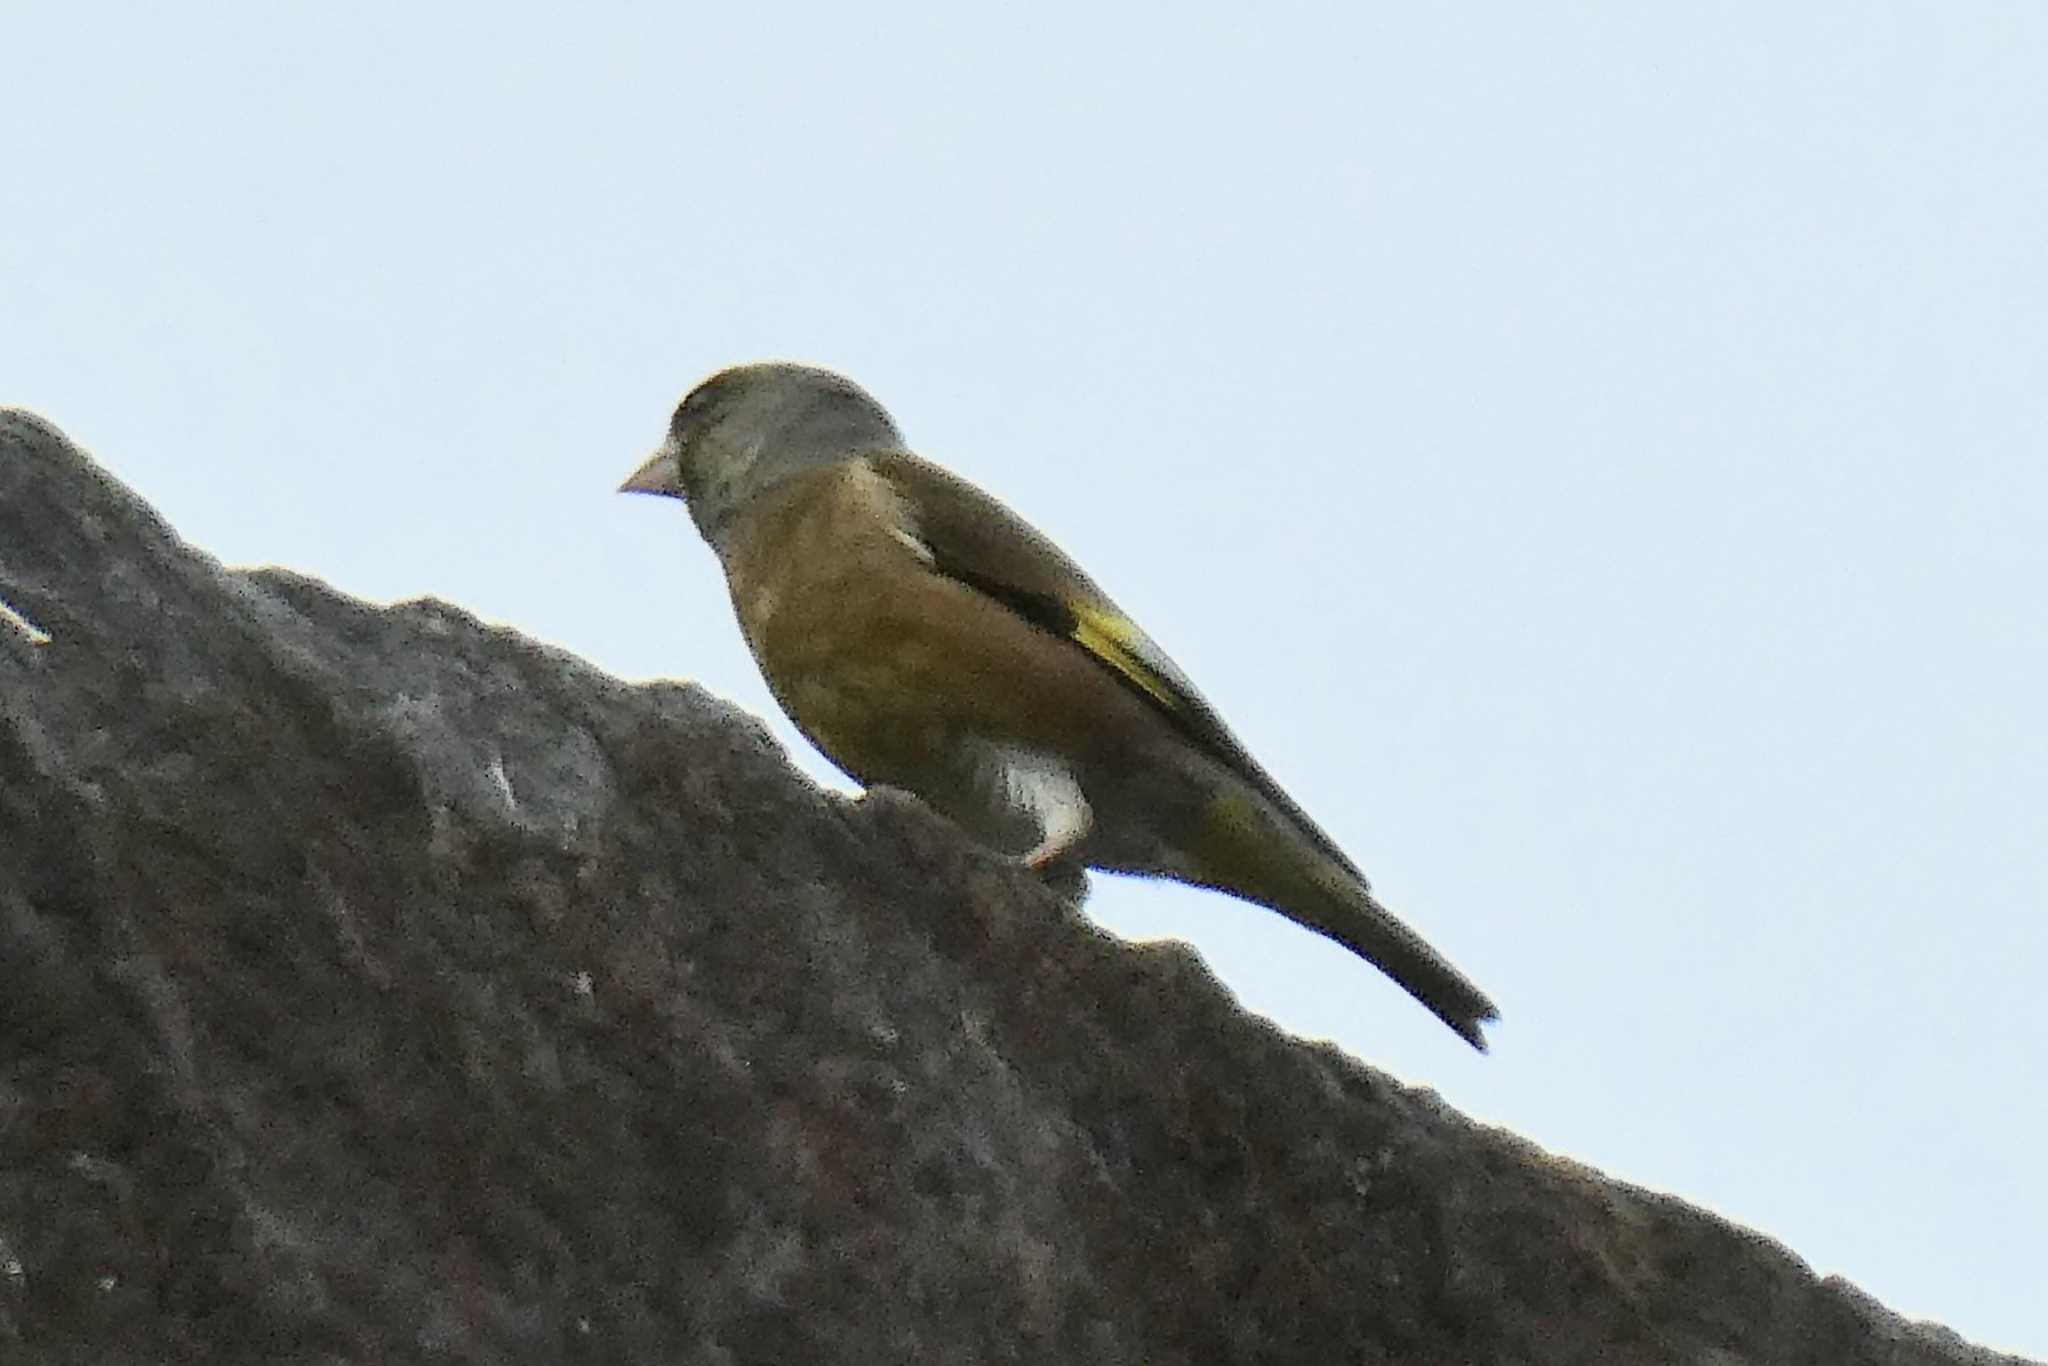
(867, 647)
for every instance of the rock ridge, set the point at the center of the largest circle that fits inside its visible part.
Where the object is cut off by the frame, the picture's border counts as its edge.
(379, 985)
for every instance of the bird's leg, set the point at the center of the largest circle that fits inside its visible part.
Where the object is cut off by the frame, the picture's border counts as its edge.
(1048, 792)
(1067, 829)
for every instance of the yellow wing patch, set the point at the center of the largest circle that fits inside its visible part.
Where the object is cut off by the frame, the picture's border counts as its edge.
(1118, 643)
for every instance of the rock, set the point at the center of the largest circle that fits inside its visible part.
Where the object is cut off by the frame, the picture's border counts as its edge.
(377, 985)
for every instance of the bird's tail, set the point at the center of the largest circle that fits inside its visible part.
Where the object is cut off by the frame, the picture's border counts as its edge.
(1266, 857)
(1370, 930)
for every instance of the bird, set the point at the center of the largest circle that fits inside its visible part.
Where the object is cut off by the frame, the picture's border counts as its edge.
(925, 637)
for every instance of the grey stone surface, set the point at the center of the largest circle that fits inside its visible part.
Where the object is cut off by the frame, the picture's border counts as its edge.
(377, 985)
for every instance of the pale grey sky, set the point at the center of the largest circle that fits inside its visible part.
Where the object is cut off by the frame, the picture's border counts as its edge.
(1593, 454)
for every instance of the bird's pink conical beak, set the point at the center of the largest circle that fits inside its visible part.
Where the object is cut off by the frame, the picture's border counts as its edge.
(662, 474)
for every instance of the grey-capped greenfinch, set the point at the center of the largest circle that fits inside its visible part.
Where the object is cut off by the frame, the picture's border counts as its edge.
(924, 637)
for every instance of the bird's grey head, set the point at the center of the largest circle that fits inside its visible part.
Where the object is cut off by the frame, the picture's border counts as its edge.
(748, 428)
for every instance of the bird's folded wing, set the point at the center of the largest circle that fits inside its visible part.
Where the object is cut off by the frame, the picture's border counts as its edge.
(975, 539)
